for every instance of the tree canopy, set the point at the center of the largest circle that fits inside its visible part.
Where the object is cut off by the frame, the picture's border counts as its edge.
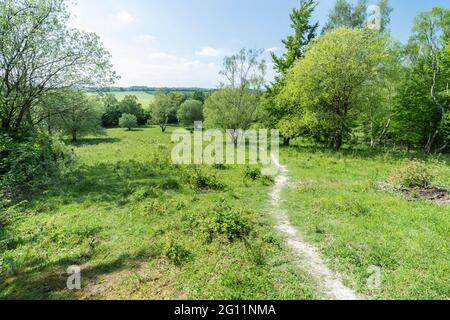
(40, 53)
(328, 84)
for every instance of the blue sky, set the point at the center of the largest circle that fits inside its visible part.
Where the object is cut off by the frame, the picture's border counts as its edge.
(181, 43)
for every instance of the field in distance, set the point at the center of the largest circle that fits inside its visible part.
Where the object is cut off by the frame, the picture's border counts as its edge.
(145, 98)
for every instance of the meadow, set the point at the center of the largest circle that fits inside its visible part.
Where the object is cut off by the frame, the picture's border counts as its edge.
(339, 203)
(142, 228)
(144, 98)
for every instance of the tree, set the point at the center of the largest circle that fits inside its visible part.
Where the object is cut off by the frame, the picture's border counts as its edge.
(75, 114)
(130, 105)
(277, 115)
(112, 111)
(376, 117)
(430, 55)
(328, 94)
(199, 96)
(233, 106)
(176, 100)
(445, 128)
(40, 53)
(189, 112)
(161, 109)
(128, 121)
(345, 14)
(232, 109)
(295, 44)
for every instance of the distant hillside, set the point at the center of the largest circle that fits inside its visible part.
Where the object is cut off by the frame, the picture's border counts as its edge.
(147, 89)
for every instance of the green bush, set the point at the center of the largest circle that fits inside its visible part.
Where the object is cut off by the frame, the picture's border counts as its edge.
(202, 181)
(177, 254)
(28, 165)
(227, 221)
(415, 174)
(252, 173)
(128, 121)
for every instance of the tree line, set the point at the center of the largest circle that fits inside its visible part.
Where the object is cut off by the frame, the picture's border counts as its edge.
(348, 83)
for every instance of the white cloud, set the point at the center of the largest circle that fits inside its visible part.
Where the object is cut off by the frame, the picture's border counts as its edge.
(271, 50)
(125, 17)
(141, 57)
(145, 39)
(208, 52)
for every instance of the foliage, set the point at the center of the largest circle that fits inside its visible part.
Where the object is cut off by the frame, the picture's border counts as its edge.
(73, 113)
(296, 44)
(253, 173)
(229, 222)
(233, 107)
(199, 96)
(39, 48)
(130, 105)
(415, 174)
(161, 110)
(426, 97)
(202, 181)
(112, 114)
(27, 166)
(128, 121)
(178, 254)
(445, 128)
(271, 113)
(189, 112)
(244, 70)
(327, 94)
(345, 14)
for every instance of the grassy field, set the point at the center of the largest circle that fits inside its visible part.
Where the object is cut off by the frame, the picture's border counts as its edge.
(336, 201)
(144, 98)
(142, 228)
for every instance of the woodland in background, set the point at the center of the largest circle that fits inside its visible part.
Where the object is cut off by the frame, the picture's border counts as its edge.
(344, 85)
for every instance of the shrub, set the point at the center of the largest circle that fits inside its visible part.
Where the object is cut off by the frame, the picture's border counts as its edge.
(143, 193)
(202, 181)
(415, 174)
(177, 254)
(28, 165)
(252, 173)
(128, 121)
(227, 221)
(189, 112)
(170, 184)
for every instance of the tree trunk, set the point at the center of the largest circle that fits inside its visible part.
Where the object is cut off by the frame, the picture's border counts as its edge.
(74, 136)
(337, 141)
(286, 142)
(430, 142)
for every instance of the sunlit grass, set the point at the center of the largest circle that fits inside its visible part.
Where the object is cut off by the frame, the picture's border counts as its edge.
(337, 203)
(136, 226)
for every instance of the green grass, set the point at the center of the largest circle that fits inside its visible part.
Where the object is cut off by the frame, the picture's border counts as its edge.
(337, 204)
(144, 98)
(140, 229)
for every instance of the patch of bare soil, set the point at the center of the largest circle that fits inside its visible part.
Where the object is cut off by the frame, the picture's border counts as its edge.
(434, 194)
